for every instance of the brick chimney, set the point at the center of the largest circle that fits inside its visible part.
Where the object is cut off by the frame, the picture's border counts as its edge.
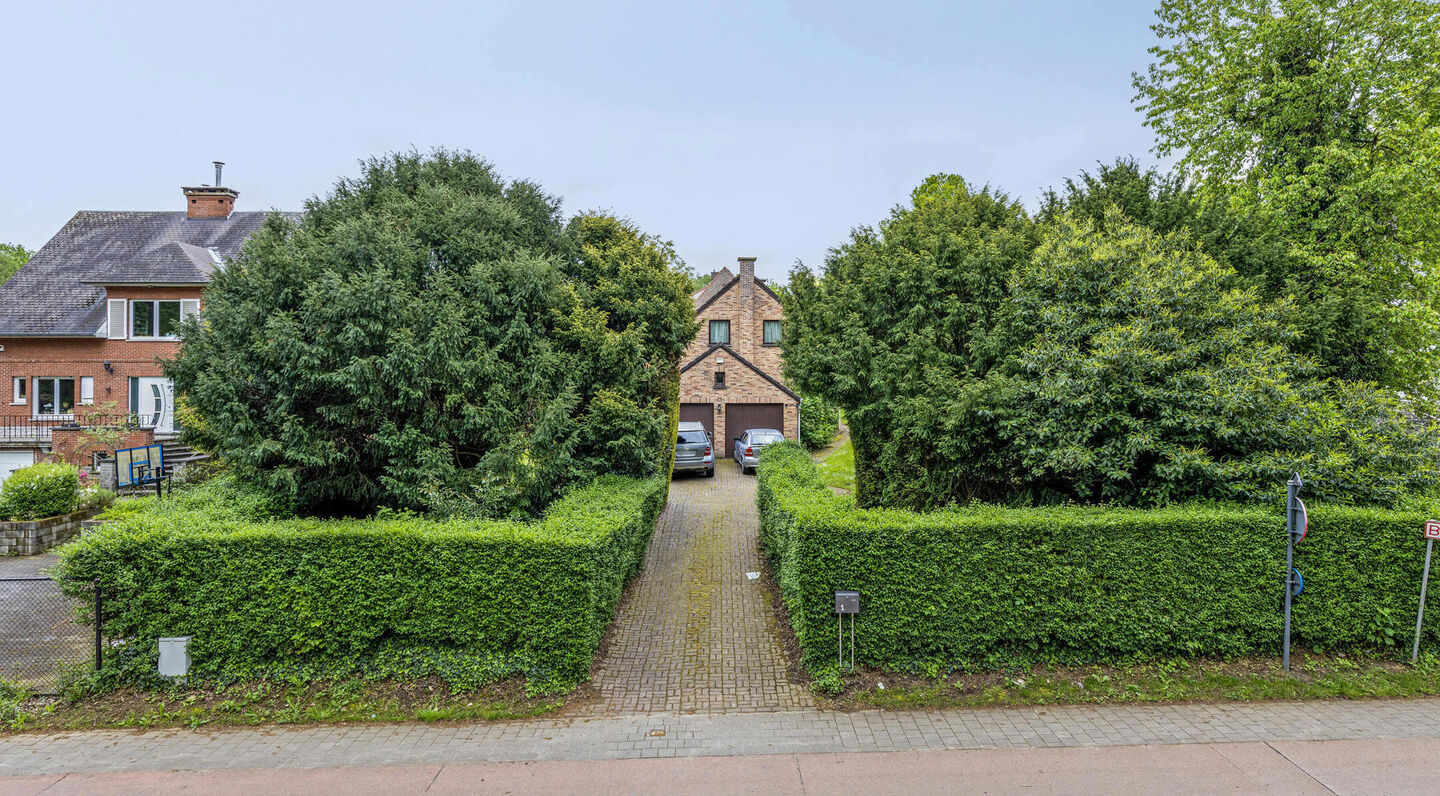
(747, 273)
(210, 201)
(742, 334)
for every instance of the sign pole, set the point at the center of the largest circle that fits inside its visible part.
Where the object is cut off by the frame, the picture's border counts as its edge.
(1432, 532)
(1292, 489)
(1420, 615)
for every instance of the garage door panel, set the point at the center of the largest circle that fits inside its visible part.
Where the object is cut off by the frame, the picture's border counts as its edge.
(699, 413)
(739, 417)
(10, 461)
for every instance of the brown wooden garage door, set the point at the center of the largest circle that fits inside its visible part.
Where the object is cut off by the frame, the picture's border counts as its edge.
(739, 417)
(699, 413)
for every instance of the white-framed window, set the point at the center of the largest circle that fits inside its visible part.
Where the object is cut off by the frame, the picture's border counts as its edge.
(87, 390)
(155, 319)
(149, 319)
(54, 396)
(17, 390)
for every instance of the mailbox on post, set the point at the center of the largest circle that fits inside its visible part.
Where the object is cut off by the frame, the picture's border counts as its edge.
(847, 603)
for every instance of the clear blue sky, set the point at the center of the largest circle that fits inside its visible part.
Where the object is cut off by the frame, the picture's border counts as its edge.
(763, 129)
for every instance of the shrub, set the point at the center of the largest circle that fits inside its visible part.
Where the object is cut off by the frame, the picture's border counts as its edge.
(40, 491)
(395, 595)
(96, 498)
(819, 422)
(988, 587)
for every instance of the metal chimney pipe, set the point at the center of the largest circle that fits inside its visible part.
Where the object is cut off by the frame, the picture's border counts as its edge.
(219, 164)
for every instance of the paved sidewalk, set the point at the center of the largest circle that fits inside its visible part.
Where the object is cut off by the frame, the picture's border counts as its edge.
(1314, 767)
(696, 634)
(699, 735)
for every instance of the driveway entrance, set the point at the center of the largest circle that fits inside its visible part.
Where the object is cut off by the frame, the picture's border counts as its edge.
(695, 633)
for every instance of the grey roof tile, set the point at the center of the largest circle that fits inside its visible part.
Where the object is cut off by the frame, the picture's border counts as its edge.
(59, 291)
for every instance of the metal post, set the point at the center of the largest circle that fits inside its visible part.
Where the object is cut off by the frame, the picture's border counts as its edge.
(852, 642)
(1420, 617)
(99, 633)
(1292, 490)
(840, 639)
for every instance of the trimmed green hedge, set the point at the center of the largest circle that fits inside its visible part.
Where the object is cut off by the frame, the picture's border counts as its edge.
(470, 600)
(989, 587)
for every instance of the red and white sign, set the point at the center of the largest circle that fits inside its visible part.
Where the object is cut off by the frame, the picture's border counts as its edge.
(1432, 529)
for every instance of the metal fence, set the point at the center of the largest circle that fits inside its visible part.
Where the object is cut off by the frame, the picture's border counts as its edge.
(41, 644)
(37, 429)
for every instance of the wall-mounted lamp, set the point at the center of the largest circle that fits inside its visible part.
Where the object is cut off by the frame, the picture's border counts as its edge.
(109, 368)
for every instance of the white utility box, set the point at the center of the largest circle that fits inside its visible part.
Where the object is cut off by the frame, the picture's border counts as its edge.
(175, 656)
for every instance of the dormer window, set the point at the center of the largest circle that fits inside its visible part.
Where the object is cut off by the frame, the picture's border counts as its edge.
(719, 332)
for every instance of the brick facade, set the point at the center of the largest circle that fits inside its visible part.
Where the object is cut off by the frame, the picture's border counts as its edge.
(74, 357)
(746, 303)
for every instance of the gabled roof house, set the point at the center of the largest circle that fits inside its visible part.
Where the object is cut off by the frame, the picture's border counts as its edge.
(88, 320)
(730, 376)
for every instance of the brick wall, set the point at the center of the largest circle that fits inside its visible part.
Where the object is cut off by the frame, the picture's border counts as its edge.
(747, 310)
(742, 386)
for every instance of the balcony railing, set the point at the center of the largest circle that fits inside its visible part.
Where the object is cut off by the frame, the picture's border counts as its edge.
(37, 429)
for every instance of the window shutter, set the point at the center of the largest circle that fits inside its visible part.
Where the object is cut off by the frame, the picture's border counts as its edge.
(189, 308)
(117, 319)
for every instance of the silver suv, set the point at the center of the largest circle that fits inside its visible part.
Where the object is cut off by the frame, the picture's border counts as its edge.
(693, 452)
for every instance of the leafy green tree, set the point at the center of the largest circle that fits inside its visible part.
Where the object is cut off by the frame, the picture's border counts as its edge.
(1324, 119)
(431, 336)
(12, 256)
(1243, 242)
(900, 332)
(1149, 379)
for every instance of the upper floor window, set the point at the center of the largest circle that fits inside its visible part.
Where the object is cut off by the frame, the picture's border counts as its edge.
(147, 319)
(719, 378)
(772, 333)
(17, 390)
(154, 318)
(719, 332)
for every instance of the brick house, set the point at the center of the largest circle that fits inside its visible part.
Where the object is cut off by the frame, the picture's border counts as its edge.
(730, 375)
(87, 321)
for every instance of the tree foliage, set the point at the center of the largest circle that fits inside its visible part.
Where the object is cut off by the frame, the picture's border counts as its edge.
(901, 333)
(12, 257)
(979, 355)
(432, 336)
(1323, 118)
(1148, 378)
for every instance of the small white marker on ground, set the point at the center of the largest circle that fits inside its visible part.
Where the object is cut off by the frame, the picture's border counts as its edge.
(752, 575)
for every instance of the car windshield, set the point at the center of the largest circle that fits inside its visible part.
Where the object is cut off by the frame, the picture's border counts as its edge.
(691, 438)
(764, 437)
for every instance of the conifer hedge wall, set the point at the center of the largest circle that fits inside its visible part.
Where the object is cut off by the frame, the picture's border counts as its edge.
(989, 587)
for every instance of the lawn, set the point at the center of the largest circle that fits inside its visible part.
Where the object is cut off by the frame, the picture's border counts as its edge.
(838, 468)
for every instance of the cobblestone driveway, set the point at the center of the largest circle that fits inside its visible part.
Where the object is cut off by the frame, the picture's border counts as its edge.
(695, 634)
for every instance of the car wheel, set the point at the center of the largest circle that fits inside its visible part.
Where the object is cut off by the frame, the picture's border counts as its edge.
(710, 473)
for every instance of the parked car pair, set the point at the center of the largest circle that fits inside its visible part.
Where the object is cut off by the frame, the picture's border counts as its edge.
(693, 450)
(747, 446)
